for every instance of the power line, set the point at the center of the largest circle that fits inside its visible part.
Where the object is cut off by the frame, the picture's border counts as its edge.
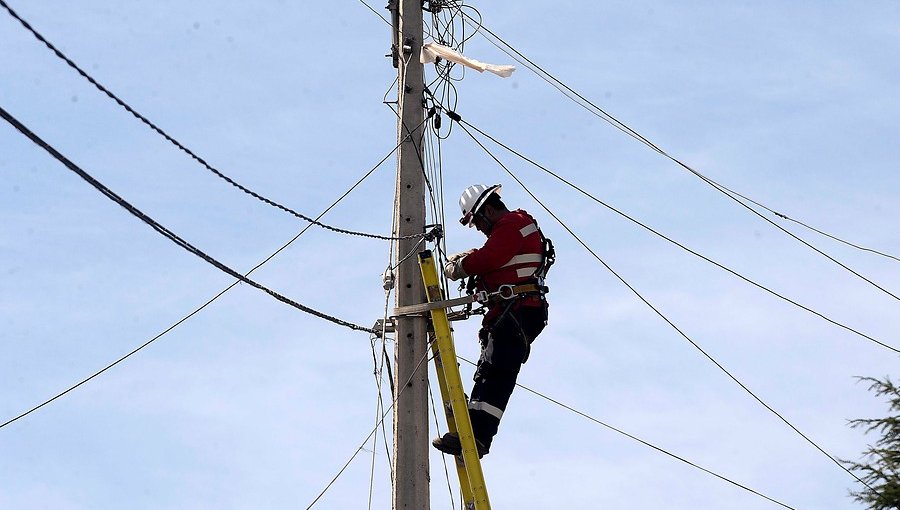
(366, 440)
(734, 196)
(166, 232)
(621, 126)
(374, 442)
(183, 148)
(658, 312)
(636, 135)
(379, 406)
(667, 238)
(645, 443)
(437, 428)
(373, 10)
(380, 361)
(201, 307)
(814, 229)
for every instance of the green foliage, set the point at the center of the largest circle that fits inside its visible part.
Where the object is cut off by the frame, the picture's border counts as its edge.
(879, 467)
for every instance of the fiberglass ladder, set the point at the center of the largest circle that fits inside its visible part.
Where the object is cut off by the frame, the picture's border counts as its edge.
(468, 465)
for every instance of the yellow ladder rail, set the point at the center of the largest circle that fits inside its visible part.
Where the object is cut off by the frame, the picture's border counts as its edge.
(468, 464)
(465, 489)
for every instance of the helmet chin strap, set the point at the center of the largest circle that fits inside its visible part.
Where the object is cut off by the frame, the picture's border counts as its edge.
(488, 222)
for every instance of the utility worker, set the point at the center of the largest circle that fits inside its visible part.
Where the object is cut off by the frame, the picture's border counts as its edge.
(510, 267)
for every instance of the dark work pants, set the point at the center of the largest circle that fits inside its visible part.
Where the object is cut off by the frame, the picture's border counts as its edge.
(505, 345)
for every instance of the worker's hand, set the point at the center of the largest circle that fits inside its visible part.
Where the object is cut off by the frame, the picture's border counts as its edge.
(454, 269)
(459, 256)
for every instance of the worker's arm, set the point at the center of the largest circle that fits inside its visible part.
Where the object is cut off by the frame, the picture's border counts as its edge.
(504, 242)
(453, 268)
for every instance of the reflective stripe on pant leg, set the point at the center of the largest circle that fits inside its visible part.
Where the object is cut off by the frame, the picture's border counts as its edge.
(477, 405)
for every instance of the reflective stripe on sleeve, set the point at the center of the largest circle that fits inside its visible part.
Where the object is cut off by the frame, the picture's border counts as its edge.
(529, 229)
(477, 405)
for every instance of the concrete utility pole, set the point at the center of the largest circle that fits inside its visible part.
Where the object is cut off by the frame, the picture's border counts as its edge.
(411, 448)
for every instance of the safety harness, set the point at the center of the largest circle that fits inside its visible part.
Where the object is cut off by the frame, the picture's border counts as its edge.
(511, 293)
(508, 293)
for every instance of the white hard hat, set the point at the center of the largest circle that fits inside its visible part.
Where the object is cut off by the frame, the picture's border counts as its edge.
(473, 198)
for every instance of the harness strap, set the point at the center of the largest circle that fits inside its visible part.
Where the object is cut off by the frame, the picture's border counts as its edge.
(514, 291)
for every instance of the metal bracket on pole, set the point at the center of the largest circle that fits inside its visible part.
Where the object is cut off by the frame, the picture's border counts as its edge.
(394, 7)
(382, 326)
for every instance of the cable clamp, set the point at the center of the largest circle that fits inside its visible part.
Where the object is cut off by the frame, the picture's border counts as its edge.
(384, 326)
(434, 6)
(435, 234)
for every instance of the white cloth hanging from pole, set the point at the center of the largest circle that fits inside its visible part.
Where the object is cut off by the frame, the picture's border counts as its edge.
(431, 51)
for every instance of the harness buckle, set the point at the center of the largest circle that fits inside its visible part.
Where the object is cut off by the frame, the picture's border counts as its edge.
(506, 291)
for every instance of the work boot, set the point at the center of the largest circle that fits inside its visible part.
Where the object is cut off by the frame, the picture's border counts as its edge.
(449, 444)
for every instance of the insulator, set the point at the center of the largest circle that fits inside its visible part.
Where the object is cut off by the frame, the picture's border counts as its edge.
(387, 279)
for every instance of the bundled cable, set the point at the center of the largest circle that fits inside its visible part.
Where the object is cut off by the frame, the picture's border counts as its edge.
(660, 313)
(197, 310)
(577, 188)
(166, 232)
(737, 197)
(187, 151)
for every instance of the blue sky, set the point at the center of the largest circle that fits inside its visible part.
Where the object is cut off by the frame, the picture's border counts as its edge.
(252, 404)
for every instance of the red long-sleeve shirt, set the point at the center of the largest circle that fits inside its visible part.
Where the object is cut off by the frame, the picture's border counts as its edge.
(511, 254)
